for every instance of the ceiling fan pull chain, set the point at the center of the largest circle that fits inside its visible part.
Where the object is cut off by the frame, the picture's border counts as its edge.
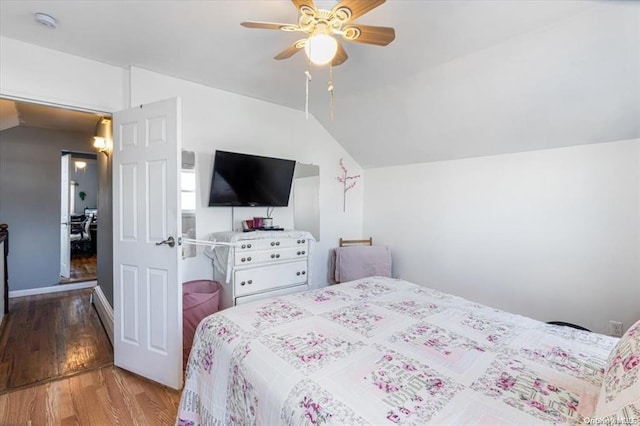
(307, 79)
(330, 89)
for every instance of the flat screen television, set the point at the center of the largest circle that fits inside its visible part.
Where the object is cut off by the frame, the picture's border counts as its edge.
(250, 180)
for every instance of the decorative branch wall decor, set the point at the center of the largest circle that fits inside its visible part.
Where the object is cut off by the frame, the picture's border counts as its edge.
(348, 182)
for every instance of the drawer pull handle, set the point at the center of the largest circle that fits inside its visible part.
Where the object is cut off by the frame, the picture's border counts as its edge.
(250, 282)
(299, 252)
(248, 245)
(242, 283)
(299, 241)
(298, 273)
(272, 243)
(243, 259)
(277, 243)
(244, 246)
(277, 256)
(273, 255)
(249, 259)
(303, 252)
(303, 241)
(304, 272)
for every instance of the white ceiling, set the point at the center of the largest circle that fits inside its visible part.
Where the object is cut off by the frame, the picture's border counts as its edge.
(462, 78)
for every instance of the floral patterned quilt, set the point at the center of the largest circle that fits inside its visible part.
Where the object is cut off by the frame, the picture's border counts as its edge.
(386, 351)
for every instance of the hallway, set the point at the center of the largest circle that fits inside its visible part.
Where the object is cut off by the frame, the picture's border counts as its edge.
(51, 336)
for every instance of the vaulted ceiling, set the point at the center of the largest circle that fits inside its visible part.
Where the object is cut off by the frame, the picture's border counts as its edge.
(461, 79)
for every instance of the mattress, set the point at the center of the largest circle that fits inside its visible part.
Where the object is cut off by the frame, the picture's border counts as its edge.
(387, 351)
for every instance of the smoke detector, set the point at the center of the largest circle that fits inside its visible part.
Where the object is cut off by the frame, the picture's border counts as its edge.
(46, 20)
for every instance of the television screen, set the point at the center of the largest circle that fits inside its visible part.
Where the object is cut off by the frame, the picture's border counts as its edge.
(250, 180)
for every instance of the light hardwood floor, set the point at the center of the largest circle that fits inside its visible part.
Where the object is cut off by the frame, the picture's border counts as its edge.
(108, 396)
(59, 334)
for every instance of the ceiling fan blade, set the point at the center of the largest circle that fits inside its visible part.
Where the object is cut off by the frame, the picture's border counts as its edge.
(341, 56)
(299, 4)
(270, 26)
(369, 34)
(349, 10)
(291, 50)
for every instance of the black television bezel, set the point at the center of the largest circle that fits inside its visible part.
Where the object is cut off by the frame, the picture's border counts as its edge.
(240, 203)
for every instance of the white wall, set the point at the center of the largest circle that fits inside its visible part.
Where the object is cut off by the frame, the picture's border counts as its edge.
(552, 234)
(214, 119)
(36, 73)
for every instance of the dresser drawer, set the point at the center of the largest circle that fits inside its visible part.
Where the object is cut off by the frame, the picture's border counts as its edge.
(248, 258)
(274, 255)
(242, 246)
(274, 243)
(256, 280)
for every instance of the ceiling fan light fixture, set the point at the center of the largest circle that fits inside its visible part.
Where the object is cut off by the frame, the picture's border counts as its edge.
(321, 48)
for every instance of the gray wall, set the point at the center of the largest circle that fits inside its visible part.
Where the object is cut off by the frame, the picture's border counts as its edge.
(105, 222)
(87, 180)
(30, 201)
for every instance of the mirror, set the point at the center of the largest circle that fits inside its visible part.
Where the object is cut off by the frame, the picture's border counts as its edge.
(188, 201)
(306, 199)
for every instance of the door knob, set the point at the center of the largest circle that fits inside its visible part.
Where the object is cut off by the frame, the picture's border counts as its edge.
(169, 241)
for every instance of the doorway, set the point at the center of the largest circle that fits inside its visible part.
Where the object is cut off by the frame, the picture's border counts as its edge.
(78, 217)
(33, 138)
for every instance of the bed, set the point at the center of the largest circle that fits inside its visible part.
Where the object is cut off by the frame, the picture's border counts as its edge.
(386, 351)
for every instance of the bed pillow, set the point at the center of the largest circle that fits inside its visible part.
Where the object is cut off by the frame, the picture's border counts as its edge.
(620, 392)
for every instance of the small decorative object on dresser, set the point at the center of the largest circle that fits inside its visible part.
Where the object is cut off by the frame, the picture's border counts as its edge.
(260, 264)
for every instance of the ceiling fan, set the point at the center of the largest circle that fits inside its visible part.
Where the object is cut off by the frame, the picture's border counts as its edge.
(321, 26)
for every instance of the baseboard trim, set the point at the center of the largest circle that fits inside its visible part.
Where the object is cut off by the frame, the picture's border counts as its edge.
(52, 289)
(105, 311)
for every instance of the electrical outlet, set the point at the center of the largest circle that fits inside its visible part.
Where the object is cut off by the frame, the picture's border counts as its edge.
(615, 328)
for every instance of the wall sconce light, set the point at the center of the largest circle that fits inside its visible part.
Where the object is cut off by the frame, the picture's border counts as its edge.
(100, 144)
(80, 165)
(99, 141)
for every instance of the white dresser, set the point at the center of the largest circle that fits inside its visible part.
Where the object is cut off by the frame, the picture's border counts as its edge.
(260, 264)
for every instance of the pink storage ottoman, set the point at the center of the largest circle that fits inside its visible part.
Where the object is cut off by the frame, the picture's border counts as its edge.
(200, 298)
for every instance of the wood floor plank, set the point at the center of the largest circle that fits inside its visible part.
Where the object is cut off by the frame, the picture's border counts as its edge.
(59, 405)
(123, 411)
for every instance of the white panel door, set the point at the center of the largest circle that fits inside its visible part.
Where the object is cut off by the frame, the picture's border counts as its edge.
(146, 211)
(65, 235)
